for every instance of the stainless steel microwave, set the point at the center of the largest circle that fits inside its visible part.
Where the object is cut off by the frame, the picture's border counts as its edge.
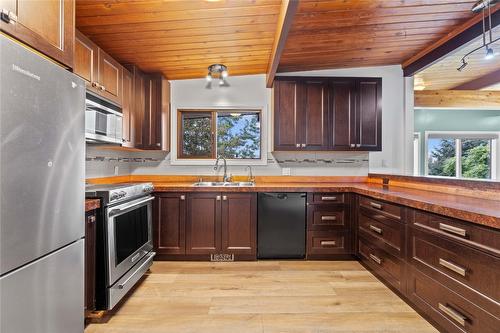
(103, 121)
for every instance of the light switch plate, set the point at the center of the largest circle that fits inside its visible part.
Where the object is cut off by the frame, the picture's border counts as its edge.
(116, 170)
(285, 171)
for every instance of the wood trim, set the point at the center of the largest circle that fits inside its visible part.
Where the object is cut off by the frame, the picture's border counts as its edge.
(481, 82)
(285, 19)
(452, 41)
(457, 99)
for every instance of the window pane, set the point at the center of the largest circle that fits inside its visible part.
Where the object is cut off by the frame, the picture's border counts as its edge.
(476, 158)
(238, 135)
(441, 159)
(196, 134)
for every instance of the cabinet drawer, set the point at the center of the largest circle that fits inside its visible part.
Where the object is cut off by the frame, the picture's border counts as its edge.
(466, 233)
(381, 207)
(322, 198)
(387, 230)
(387, 266)
(456, 262)
(451, 311)
(327, 242)
(325, 218)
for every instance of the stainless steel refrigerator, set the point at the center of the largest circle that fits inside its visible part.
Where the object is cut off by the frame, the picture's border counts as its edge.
(42, 194)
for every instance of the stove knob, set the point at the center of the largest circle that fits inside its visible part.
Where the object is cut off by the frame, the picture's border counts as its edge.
(123, 194)
(114, 196)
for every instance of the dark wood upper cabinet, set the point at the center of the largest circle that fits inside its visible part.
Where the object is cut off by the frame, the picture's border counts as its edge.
(102, 73)
(314, 116)
(127, 109)
(239, 223)
(157, 113)
(323, 114)
(342, 102)
(47, 26)
(170, 223)
(285, 114)
(369, 114)
(203, 228)
(138, 105)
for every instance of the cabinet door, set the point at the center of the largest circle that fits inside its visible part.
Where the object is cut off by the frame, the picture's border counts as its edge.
(203, 227)
(85, 60)
(110, 77)
(139, 106)
(127, 108)
(286, 110)
(369, 114)
(239, 223)
(170, 223)
(314, 117)
(90, 260)
(47, 26)
(343, 113)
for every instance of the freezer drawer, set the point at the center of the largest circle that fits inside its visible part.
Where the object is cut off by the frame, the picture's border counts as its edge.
(45, 296)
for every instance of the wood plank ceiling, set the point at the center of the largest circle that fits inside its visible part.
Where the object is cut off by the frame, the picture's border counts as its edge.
(181, 38)
(354, 33)
(443, 75)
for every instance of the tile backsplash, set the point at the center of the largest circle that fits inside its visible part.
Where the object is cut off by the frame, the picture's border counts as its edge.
(105, 162)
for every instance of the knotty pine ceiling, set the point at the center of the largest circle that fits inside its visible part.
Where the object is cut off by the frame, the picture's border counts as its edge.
(443, 75)
(182, 37)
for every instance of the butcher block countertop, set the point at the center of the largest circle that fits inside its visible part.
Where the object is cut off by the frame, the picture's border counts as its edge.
(92, 204)
(479, 207)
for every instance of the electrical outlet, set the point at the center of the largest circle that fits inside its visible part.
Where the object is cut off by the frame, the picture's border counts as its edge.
(285, 171)
(116, 170)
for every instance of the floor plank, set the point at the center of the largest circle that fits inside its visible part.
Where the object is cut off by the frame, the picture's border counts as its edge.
(263, 297)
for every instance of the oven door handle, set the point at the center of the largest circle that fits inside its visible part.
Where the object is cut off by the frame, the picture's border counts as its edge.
(136, 203)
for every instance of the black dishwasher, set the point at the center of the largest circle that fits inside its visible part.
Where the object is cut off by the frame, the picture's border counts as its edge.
(281, 226)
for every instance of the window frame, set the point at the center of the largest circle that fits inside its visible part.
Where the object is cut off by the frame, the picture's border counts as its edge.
(176, 155)
(458, 136)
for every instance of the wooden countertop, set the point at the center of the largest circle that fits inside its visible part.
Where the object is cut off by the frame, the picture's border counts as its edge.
(476, 210)
(91, 204)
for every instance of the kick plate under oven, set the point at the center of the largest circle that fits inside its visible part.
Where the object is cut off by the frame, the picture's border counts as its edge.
(129, 237)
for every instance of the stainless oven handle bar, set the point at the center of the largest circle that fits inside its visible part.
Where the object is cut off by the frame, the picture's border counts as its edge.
(135, 203)
(122, 285)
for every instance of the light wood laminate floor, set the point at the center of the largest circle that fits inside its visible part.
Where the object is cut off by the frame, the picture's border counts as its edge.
(262, 296)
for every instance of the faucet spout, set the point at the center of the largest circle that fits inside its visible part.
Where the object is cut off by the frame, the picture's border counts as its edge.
(225, 178)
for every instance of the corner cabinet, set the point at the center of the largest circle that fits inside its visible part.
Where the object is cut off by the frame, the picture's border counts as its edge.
(46, 26)
(327, 114)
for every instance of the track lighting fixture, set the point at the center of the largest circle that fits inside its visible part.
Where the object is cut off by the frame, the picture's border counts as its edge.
(217, 71)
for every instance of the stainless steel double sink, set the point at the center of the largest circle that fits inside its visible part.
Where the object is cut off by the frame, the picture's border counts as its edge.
(224, 184)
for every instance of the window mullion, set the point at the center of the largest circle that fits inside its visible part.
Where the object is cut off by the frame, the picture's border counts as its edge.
(458, 158)
(214, 134)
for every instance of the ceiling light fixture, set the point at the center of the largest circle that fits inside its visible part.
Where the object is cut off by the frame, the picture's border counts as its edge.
(483, 6)
(217, 71)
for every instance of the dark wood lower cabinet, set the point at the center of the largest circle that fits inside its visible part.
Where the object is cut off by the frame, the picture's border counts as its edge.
(195, 226)
(90, 260)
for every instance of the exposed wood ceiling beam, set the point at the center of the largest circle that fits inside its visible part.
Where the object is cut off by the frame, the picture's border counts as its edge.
(459, 36)
(473, 99)
(285, 19)
(481, 82)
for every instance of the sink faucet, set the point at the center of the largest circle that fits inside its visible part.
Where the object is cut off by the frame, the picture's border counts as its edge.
(250, 175)
(225, 178)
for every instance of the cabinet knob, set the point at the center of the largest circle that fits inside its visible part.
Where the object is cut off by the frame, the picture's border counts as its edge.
(217, 198)
(353, 145)
(297, 145)
(158, 144)
(183, 197)
(303, 145)
(224, 197)
(103, 88)
(358, 145)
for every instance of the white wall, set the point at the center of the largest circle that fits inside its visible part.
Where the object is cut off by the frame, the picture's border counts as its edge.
(392, 157)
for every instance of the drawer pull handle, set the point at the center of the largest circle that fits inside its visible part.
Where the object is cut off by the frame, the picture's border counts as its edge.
(452, 229)
(453, 314)
(375, 258)
(328, 243)
(328, 218)
(376, 205)
(328, 198)
(452, 267)
(377, 230)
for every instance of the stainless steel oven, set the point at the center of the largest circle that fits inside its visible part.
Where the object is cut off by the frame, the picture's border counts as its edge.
(125, 239)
